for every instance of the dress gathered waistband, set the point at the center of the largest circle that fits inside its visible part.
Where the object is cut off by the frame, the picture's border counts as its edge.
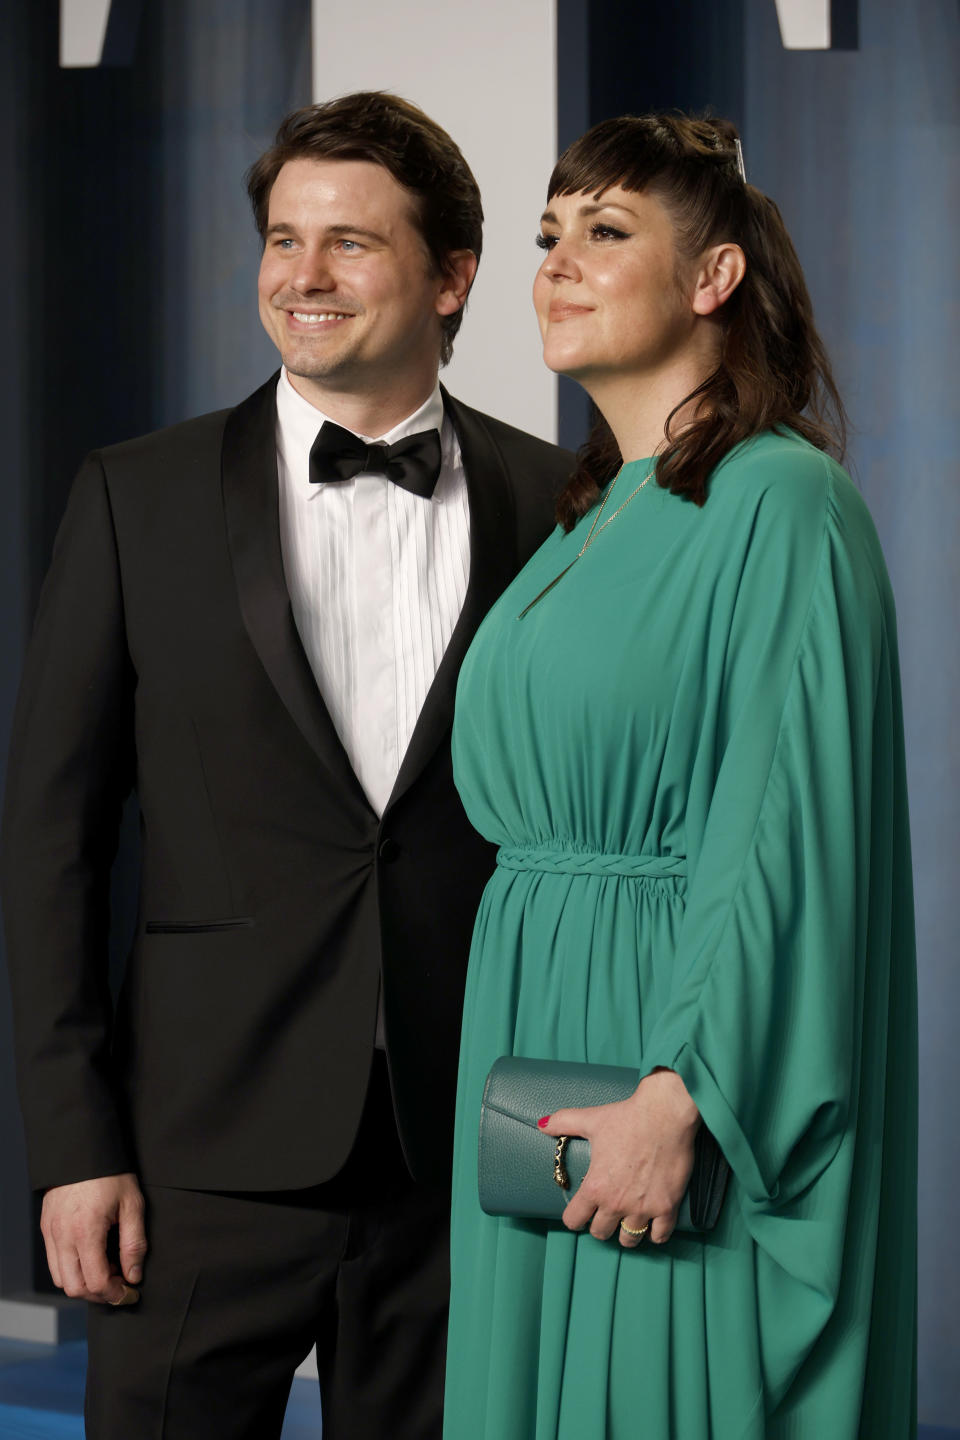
(560, 860)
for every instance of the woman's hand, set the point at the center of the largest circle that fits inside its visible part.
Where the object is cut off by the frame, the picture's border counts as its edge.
(641, 1156)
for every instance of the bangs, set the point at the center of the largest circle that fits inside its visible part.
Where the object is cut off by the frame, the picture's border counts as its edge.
(626, 151)
(680, 152)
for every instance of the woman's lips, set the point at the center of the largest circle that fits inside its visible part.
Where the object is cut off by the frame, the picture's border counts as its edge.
(562, 310)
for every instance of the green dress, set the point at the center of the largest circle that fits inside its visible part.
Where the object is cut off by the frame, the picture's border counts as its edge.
(690, 754)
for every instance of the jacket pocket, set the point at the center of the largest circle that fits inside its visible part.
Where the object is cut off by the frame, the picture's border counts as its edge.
(195, 927)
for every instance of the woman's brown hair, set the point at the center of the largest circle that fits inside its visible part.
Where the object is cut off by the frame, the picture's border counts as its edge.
(773, 368)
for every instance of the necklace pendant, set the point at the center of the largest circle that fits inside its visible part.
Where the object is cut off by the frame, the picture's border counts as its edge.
(547, 588)
(595, 527)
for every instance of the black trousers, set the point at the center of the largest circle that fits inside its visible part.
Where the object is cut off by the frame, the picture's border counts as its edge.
(238, 1287)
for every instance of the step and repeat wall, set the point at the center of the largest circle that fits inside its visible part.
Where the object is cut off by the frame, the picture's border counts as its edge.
(130, 262)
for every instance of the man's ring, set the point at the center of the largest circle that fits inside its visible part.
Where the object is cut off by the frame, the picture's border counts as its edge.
(637, 1234)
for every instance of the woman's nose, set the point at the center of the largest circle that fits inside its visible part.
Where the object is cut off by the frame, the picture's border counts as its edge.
(560, 262)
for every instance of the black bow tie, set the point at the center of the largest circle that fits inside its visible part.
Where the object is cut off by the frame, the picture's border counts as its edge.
(413, 463)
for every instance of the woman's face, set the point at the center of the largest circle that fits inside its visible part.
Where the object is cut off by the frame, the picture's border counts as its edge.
(612, 295)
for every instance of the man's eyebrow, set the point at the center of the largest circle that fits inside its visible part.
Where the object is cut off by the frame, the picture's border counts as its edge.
(357, 230)
(281, 227)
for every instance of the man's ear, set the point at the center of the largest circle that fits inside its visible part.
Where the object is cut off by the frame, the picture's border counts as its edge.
(721, 269)
(460, 267)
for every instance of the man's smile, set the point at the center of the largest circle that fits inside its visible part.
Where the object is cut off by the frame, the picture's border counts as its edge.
(317, 318)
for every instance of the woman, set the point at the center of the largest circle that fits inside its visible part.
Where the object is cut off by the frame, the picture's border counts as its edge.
(688, 747)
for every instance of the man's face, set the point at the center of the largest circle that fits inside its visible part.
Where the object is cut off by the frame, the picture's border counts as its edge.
(348, 292)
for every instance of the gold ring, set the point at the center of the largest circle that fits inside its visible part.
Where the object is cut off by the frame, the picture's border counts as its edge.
(130, 1296)
(637, 1234)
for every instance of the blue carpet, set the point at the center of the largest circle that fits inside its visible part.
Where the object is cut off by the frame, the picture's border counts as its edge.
(303, 1412)
(19, 1423)
(41, 1397)
(42, 1377)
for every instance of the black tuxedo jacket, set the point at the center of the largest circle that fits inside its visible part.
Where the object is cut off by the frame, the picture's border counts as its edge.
(165, 658)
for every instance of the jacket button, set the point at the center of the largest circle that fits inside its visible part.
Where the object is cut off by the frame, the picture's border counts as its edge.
(389, 850)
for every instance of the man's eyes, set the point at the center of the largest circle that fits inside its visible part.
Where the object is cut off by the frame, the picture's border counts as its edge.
(344, 243)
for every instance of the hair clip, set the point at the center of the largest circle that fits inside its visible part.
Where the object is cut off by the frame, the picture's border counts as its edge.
(740, 165)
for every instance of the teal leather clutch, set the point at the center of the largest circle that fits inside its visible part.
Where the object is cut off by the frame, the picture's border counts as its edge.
(524, 1173)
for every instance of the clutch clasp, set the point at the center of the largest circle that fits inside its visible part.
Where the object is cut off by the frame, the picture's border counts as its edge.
(559, 1169)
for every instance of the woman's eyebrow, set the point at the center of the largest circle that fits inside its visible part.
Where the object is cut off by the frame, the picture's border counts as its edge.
(585, 211)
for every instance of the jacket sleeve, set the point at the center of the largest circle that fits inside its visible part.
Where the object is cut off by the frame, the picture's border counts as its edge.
(70, 767)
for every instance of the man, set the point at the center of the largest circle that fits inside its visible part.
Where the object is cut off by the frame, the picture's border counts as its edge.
(258, 619)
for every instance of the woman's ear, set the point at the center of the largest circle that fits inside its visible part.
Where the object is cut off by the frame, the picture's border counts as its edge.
(721, 269)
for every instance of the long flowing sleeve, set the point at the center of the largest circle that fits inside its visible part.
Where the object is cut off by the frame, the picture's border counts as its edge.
(792, 1017)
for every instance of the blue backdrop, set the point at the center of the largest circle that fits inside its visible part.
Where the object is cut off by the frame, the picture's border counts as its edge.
(129, 261)
(861, 150)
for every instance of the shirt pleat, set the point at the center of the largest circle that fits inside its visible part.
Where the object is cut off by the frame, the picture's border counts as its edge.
(377, 579)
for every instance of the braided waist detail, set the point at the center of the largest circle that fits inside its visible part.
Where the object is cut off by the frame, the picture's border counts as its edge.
(560, 860)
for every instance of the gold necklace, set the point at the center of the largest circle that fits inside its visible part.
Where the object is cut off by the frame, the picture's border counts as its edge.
(589, 540)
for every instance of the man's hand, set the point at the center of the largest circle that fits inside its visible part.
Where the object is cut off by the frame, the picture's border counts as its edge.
(641, 1156)
(76, 1221)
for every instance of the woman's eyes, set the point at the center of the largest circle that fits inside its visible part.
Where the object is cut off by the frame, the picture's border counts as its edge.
(597, 232)
(607, 232)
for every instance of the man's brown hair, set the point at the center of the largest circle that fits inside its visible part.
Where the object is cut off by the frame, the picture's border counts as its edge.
(388, 131)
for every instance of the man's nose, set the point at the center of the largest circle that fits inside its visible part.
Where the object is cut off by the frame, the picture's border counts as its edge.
(313, 272)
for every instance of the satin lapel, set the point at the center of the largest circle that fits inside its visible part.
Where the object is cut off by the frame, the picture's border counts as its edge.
(493, 564)
(251, 507)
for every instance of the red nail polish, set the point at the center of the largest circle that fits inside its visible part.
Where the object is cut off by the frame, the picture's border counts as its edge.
(544, 1121)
